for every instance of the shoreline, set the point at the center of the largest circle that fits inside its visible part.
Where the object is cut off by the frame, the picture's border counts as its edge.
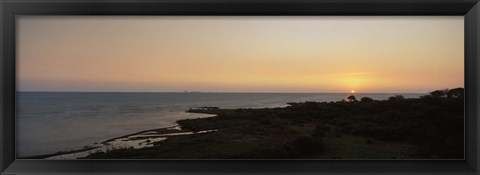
(137, 137)
(177, 130)
(397, 128)
(144, 139)
(115, 121)
(45, 156)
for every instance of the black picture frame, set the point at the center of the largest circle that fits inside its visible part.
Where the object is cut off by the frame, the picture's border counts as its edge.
(470, 9)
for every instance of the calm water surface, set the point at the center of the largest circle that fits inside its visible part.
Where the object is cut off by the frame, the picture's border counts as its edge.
(48, 122)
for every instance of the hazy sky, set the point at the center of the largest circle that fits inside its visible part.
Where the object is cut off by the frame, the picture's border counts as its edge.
(240, 54)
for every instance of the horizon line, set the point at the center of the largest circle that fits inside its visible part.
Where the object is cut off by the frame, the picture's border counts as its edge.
(258, 92)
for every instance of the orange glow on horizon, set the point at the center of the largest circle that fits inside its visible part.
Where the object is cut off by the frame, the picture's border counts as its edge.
(240, 54)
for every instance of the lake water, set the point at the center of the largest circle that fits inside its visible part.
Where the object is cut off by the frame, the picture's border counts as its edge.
(49, 122)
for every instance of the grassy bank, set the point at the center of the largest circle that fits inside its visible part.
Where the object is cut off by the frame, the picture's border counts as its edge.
(429, 127)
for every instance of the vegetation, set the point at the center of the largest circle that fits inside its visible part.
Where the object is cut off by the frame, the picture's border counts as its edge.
(430, 127)
(351, 98)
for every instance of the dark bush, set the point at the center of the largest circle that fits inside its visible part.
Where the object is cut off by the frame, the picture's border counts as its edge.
(456, 93)
(308, 146)
(351, 98)
(320, 131)
(297, 122)
(366, 99)
(265, 122)
(439, 93)
(396, 97)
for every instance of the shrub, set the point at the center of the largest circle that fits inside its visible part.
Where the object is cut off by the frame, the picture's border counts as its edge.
(396, 97)
(351, 98)
(439, 93)
(456, 93)
(307, 146)
(366, 99)
(320, 131)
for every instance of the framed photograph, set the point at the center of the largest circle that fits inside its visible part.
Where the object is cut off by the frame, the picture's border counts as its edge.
(239, 87)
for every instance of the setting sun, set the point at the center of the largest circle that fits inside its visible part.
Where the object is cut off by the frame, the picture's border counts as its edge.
(243, 54)
(137, 82)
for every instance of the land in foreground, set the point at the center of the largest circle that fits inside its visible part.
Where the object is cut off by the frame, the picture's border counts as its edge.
(430, 127)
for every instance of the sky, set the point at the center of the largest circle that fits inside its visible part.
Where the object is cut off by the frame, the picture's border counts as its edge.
(321, 54)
